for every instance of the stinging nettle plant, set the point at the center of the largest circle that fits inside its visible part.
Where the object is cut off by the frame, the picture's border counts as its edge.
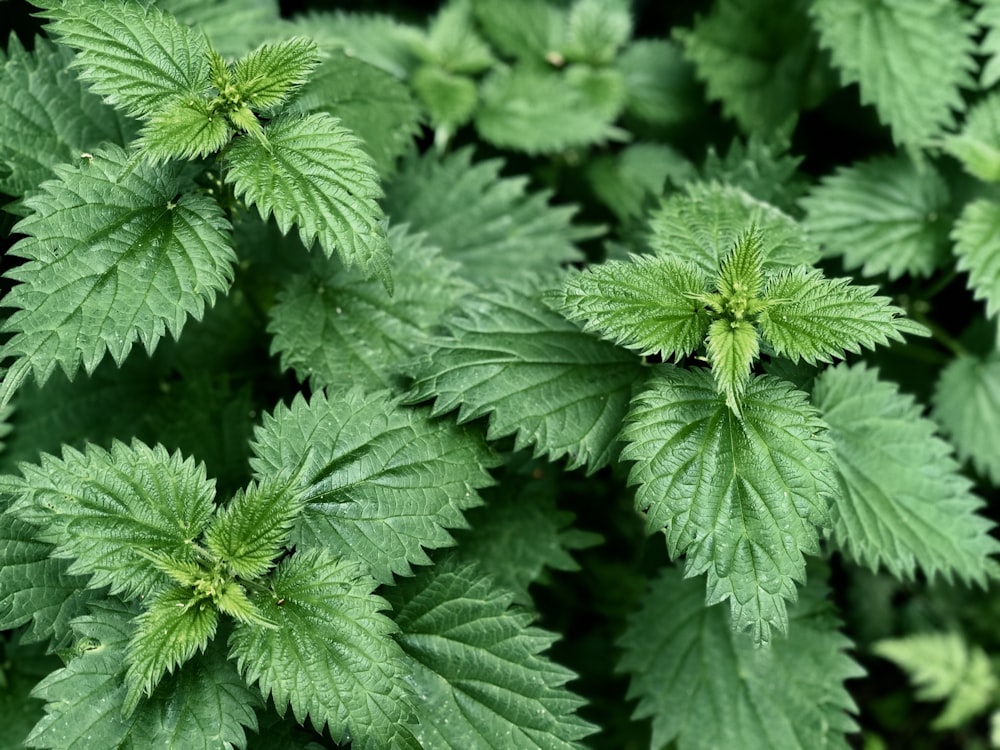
(409, 405)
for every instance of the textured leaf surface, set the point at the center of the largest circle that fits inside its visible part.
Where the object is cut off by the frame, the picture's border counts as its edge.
(110, 260)
(35, 586)
(703, 224)
(233, 26)
(134, 55)
(740, 497)
(536, 375)
(203, 707)
(757, 58)
(943, 667)
(48, 116)
(732, 347)
(903, 504)
(488, 222)
(107, 510)
(646, 303)
(332, 656)
(886, 215)
(909, 59)
(333, 326)
(314, 175)
(481, 679)
(171, 630)
(267, 76)
(967, 406)
(816, 319)
(538, 111)
(706, 687)
(977, 244)
(183, 129)
(382, 482)
(372, 103)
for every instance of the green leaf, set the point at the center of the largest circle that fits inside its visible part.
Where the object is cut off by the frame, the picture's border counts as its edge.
(332, 656)
(183, 129)
(525, 29)
(816, 319)
(449, 98)
(539, 111)
(270, 74)
(253, 529)
(36, 587)
(909, 59)
(977, 245)
(372, 103)
(314, 174)
(646, 303)
(706, 687)
(382, 482)
(703, 224)
(233, 26)
(19, 709)
(536, 375)
(204, 706)
(944, 667)
(487, 222)
(596, 30)
(967, 406)
(732, 348)
(630, 181)
(48, 116)
(134, 55)
(111, 259)
(741, 497)
(762, 166)
(84, 698)
(172, 629)
(481, 680)
(377, 39)
(110, 510)
(519, 533)
(977, 145)
(333, 326)
(903, 504)
(988, 17)
(758, 58)
(886, 215)
(659, 84)
(452, 43)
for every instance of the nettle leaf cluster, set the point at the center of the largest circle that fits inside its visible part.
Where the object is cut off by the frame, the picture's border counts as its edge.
(468, 315)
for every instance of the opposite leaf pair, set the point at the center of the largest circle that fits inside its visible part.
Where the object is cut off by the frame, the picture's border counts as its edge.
(661, 305)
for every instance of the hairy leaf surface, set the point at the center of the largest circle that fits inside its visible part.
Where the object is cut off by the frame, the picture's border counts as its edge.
(488, 222)
(909, 59)
(381, 482)
(111, 259)
(707, 687)
(816, 319)
(967, 405)
(537, 376)
(136, 56)
(977, 244)
(903, 504)
(333, 326)
(703, 224)
(646, 303)
(887, 215)
(740, 497)
(481, 679)
(183, 129)
(332, 657)
(313, 174)
(49, 116)
(267, 76)
(108, 509)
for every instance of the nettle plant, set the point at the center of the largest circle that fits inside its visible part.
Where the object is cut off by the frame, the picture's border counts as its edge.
(473, 413)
